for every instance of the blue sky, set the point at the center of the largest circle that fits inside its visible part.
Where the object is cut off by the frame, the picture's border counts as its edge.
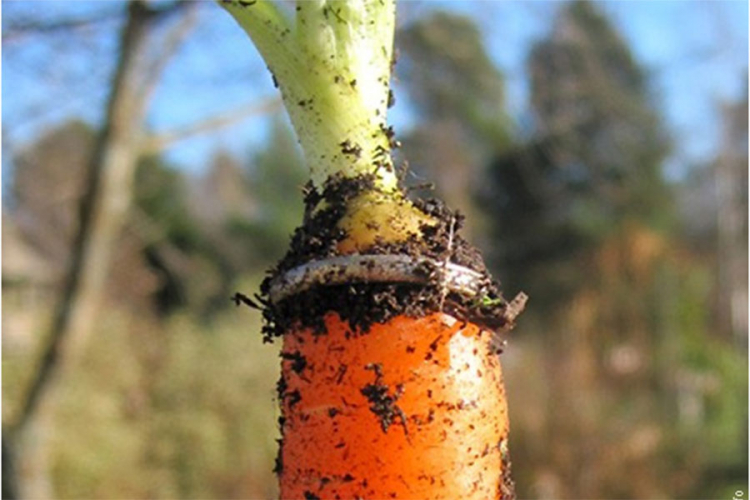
(696, 52)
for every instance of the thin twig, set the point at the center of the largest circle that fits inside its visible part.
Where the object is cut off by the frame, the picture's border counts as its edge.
(159, 142)
(18, 29)
(169, 45)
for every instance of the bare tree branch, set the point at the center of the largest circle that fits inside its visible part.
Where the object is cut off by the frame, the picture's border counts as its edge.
(159, 142)
(16, 30)
(169, 45)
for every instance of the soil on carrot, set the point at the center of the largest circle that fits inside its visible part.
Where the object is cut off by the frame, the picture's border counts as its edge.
(382, 403)
(363, 304)
(507, 486)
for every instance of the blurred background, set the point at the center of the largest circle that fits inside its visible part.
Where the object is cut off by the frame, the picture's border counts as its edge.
(599, 149)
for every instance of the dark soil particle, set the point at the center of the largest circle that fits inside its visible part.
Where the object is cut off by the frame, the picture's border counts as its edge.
(340, 373)
(363, 304)
(284, 395)
(507, 486)
(278, 465)
(294, 397)
(299, 362)
(382, 403)
(281, 387)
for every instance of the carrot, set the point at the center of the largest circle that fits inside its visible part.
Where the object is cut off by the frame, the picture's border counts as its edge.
(400, 400)
(413, 409)
(390, 386)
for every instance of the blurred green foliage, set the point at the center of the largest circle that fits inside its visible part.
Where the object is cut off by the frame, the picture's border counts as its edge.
(442, 53)
(276, 182)
(595, 162)
(161, 194)
(173, 412)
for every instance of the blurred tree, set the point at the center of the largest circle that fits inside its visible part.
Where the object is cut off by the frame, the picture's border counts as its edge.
(275, 178)
(102, 211)
(725, 431)
(459, 95)
(592, 105)
(595, 159)
(225, 190)
(583, 218)
(731, 177)
(450, 76)
(168, 234)
(185, 241)
(114, 222)
(238, 221)
(47, 189)
(47, 186)
(166, 256)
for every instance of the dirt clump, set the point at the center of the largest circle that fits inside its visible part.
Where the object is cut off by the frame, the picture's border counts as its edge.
(362, 304)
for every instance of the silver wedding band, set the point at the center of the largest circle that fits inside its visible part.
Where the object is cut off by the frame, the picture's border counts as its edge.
(347, 269)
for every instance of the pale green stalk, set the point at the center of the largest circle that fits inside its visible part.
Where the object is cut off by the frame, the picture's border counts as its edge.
(332, 64)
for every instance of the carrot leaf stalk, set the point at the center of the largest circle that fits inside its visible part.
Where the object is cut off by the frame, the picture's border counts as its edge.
(333, 66)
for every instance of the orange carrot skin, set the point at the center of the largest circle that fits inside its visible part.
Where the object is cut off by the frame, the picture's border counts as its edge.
(413, 409)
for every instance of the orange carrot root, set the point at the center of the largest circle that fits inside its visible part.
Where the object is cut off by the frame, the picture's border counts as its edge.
(414, 408)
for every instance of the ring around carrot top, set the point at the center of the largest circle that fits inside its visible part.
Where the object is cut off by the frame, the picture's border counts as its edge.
(390, 385)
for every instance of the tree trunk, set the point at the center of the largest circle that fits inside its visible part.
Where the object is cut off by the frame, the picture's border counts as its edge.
(102, 211)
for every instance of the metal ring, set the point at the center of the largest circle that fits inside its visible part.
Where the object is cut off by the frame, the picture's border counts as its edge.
(358, 268)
